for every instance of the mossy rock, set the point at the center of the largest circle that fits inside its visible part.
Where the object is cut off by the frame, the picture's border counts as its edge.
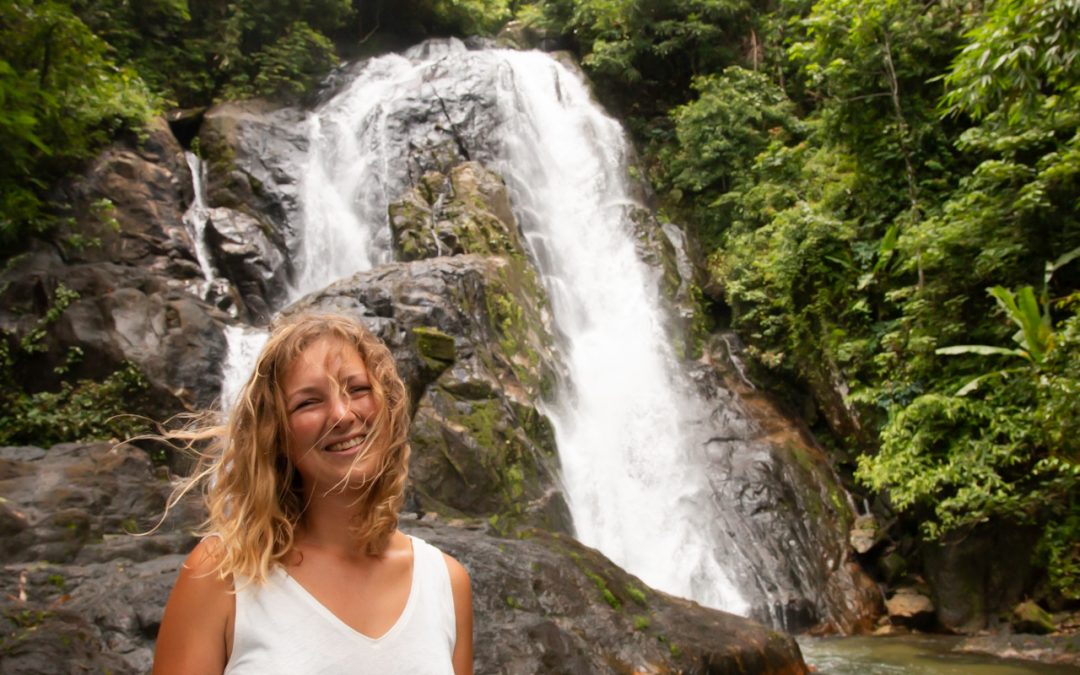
(462, 212)
(434, 344)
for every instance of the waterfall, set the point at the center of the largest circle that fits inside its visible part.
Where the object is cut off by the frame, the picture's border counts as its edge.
(243, 347)
(195, 220)
(635, 482)
(346, 182)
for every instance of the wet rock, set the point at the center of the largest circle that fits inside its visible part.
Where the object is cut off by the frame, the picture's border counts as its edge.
(119, 314)
(662, 247)
(470, 336)
(467, 211)
(548, 604)
(772, 484)
(1028, 617)
(244, 255)
(1054, 649)
(252, 150)
(908, 607)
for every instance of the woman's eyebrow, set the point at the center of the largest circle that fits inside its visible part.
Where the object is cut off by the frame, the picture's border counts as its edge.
(305, 390)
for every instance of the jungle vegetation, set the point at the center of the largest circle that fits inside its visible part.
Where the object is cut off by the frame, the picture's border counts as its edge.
(884, 194)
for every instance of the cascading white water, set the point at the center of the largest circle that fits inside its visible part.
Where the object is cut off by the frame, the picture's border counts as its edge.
(195, 218)
(635, 484)
(344, 189)
(243, 347)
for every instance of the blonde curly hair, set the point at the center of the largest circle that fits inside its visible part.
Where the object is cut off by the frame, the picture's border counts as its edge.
(251, 488)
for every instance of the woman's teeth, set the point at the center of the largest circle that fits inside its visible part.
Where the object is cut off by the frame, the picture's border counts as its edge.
(346, 444)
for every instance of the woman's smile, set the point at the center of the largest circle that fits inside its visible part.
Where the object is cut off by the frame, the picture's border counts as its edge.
(349, 444)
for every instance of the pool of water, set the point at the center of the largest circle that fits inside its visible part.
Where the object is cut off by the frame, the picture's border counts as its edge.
(914, 654)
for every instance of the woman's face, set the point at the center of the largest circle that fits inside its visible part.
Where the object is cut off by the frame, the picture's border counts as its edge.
(331, 407)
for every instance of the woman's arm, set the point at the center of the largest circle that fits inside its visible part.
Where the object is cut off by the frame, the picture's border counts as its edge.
(197, 627)
(463, 648)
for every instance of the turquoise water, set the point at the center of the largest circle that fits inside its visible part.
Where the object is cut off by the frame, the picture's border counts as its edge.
(913, 654)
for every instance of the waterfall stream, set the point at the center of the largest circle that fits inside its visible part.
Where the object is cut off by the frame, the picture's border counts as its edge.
(636, 486)
(635, 480)
(195, 219)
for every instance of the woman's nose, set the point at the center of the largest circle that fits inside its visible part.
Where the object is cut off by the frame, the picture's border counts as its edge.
(340, 408)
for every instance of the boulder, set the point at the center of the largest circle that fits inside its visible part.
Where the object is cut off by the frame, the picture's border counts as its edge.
(548, 604)
(243, 254)
(908, 607)
(1028, 617)
(979, 577)
(864, 534)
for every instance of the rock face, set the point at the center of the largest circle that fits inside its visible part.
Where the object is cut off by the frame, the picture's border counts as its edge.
(467, 211)
(78, 589)
(980, 578)
(543, 604)
(132, 284)
(774, 485)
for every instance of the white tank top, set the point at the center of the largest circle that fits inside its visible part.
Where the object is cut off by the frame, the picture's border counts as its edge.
(282, 629)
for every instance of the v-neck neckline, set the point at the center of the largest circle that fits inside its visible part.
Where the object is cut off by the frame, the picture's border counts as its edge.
(316, 604)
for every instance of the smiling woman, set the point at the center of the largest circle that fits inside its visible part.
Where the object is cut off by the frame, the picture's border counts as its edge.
(302, 568)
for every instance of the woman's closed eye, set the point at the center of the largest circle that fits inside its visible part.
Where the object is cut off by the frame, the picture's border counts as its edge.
(305, 403)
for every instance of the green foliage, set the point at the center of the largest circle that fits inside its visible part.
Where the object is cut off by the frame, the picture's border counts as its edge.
(289, 67)
(736, 116)
(654, 47)
(465, 17)
(83, 411)
(1009, 453)
(63, 98)
(883, 165)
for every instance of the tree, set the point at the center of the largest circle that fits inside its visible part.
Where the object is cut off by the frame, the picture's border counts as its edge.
(63, 98)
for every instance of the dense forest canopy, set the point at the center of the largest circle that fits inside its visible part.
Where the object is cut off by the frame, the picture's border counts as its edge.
(883, 193)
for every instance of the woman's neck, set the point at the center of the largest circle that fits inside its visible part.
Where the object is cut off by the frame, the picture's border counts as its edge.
(327, 522)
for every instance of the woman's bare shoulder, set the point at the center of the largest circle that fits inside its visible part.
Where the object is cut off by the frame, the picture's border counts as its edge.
(196, 628)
